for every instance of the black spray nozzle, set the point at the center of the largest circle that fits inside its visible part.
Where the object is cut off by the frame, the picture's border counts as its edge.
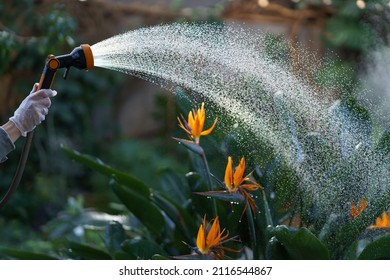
(80, 58)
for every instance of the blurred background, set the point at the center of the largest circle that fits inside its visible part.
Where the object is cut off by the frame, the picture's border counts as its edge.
(126, 121)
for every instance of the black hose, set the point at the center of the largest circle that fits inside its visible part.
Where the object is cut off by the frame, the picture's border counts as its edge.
(19, 170)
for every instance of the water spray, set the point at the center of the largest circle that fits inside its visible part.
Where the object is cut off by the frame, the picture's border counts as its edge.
(80, 58)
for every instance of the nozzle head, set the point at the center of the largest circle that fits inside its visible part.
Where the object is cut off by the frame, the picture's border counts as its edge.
(81, 58)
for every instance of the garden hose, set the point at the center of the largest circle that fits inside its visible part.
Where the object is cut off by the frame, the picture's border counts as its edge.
(80, 58)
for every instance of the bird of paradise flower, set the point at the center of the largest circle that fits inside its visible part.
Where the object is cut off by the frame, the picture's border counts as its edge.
(194, 125)
(237, 186)
(210, 241)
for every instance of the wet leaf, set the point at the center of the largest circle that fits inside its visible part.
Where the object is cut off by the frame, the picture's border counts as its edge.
(223, 195)
(377, 250)
(275, 250)
(300, 244)
(190, 145)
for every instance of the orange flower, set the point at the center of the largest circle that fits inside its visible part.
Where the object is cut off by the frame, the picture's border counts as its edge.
(354, 211)
(210, 239)
(236, 182)
(194, 126)
(382, 223)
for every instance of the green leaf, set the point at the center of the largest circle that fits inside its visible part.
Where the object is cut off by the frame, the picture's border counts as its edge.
(24, 255)
(82, 251)
(142, 249)
(300, 244)
(190, 145)
(352, 251)
(97, 165)
(177, 214)
(377, 250)
(223, 195)
(141, 206)
(275, 250)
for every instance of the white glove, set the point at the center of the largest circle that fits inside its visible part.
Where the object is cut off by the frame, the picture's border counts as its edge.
(33, 109)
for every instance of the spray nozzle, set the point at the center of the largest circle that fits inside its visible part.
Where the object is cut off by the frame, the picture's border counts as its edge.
(81, 58)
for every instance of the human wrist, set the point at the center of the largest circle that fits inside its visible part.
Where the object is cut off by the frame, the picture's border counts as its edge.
(12, 131)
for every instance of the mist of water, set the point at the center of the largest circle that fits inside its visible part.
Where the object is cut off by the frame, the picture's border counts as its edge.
(231, 67)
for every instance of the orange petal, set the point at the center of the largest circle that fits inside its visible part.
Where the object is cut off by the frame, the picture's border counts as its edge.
(354, 211)
(202, 114)
(196, 128)
(239, 173)
(385, 220)
(191, 120)
(229, 174)
(213, 235)
(201, 240)
(208, 131)
(250, 187)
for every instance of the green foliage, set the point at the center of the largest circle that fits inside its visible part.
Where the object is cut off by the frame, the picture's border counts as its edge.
(300, 244)
(376, 250)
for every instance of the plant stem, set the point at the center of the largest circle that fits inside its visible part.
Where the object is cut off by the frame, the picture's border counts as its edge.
(267, 211)
(209, 184)
(252, 231)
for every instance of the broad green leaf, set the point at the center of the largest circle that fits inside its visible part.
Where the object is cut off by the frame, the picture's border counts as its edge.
(97, 165)
(223, 195)
(142, 249)
(352, 250)
(141, 206)
(275, 250)
(377, 250)
(300, 244)
(24, 255)
(82, 251)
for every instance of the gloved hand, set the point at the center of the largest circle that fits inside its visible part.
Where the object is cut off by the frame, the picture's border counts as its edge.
(33, 109)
